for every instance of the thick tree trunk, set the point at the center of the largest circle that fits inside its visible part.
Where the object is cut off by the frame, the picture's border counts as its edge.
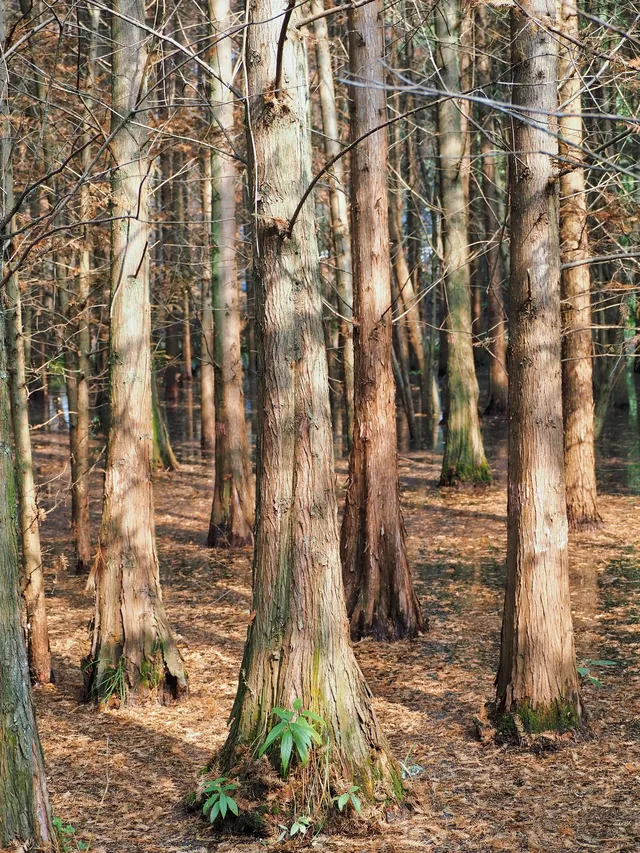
(29, 514)
(207, 376)
(338, 204)
(133, 652)
(298, 639)
(537, 679)
(25, 816)
(381, 601)
(464, 460)
(577, 373)
(231, 523)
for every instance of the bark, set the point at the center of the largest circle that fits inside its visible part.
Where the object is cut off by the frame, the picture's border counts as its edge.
(338, 204)
(187, 354)
(577, 372)
(464, 459)
(298, 641)
(163, 455)
(496, 332)
(231, 523)
(25, 815)
(29, 513)
(537, 677)
(133, 651)
(207, 377)
(79, 442)
(381, 601)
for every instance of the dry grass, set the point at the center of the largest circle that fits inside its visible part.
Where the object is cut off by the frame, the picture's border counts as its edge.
(120, 776)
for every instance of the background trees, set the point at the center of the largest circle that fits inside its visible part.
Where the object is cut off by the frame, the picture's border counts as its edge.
(194, 204)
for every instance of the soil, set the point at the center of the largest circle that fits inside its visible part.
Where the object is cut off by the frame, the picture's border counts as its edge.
(120, 777)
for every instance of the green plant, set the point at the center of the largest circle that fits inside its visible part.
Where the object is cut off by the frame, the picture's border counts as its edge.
(66, 833)
(294, 729)
(219, 801)
(585, 666)
(349, 797)
(409, 771)
(299, 827)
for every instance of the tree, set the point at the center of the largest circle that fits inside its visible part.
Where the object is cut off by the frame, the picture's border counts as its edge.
(298, 639)
(577, 373)
(29, 513)
(537, 678)
(132, 641)
(464, 460)
(25, 816)
(338, 204)
(233, 499)
(381, 601)
(498, 378)
(207, 374)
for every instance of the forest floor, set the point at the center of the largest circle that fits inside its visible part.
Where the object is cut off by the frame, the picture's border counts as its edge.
(120, 776)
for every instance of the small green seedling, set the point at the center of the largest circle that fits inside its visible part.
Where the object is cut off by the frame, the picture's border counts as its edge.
(66, 836)
(219, 801)
(294, 729)
(349, 796)
(585, 666)
(298, 827)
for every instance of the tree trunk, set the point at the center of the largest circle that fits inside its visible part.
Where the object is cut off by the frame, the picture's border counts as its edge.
(207, 377)
(381, 601)
(25, 815)
(187, 355)
(231, 523)
(163, 455)
(298, 639)
(133, 651)
(29, 514)
(338, 204)
(537, 678)
(577, 373)
(464, 459)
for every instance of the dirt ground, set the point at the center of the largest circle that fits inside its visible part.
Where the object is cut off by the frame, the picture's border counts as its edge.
(120, 776)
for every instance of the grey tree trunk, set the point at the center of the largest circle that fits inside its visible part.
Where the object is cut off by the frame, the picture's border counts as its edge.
(464, 459)
(132, 646)
(231, 523)
(537, 678)
(577, 372)
(340, 230)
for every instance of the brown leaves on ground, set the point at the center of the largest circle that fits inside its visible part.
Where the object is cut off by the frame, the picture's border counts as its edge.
(121, 777)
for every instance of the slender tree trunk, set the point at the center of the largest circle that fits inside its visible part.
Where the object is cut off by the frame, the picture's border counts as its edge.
(381, 601)
(133, 646)
(163, 455)
(80, 443)
(29, 514)
(577, 372)
(464, 459)
(207, 376)
(187, 354)
(25, 815)
(537, 678)
(298, 639)
(231, 523)
(338, 204)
